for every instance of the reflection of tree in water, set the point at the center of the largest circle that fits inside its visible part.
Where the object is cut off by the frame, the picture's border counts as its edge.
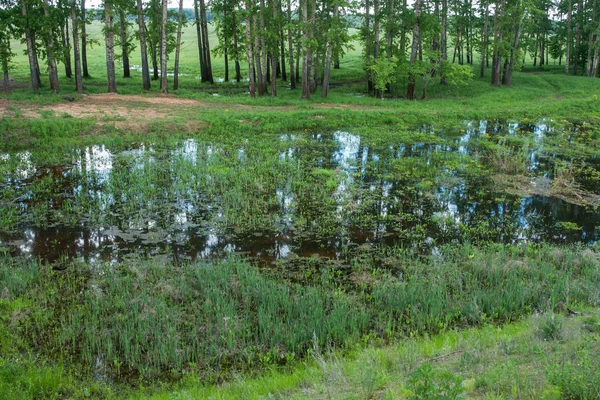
(318, 193)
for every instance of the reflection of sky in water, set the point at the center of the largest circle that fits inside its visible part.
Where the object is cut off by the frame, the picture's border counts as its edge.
(198, 225)
(96, 160)
(345, 158)
(24, 168)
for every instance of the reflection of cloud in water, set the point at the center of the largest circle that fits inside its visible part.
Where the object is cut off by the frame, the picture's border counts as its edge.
(370, 202)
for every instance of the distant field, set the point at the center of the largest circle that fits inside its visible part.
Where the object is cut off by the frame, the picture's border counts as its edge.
(189, 61)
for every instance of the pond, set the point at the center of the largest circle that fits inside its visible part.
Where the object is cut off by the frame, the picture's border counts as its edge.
(303, 194)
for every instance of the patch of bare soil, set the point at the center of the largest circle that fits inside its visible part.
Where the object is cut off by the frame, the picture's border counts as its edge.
(132, 113)
(524, 186)
(136, 112)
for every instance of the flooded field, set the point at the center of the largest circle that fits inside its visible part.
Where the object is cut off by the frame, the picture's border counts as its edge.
(305, 193)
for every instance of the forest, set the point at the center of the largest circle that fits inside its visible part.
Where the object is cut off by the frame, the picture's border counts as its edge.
(301, 42)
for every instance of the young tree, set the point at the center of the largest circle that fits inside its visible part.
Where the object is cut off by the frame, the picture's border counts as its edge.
(143, 48)
(569, 30)
(163, 48)
(49, 23)
(517, 15)
(205, 44)
(332, 34)
(178, 46)
(76, 55)
(5, 51)
(274, 52)
(84, 22)
(498, 42)
(110, 46)
(410, 93)
(125, 42)
(306, 50)
(484, 38)
(31, 53)
(66, 45)
(290, 44)
(250, 50)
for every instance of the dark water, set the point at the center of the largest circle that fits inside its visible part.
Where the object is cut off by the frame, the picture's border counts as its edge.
(271, 198)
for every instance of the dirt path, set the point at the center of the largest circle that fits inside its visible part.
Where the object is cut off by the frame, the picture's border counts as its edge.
(105, 107)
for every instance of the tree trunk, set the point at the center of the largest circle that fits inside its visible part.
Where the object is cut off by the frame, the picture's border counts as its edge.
(49, 39)
(410, 93)
(236, 56)
(5, 81)
(542, 48)
(589, 63)
(153, 51)
(403, 30)
(596, 59)
(312, 59)
(143, 49)
(444, 40)
(274, 56)
(76, 55)
(178, 47)
(537, 45)
(290, 45)
(263, 49)
(84, 64)
(305, 51)
(124, 45)
(507, 79)
(110, 47)
(390, 30)
(64, 33)
(282, 65)
(298, 48)
(376, 29)
(578, 29)
(205, 44)
(258, 59)
(250, 52)
(164, 89)
(484, 39)
(569, 29)
(370, 87)
(203, 71)
(498, 37)
(5, 50)
(35, 76)
(35, 57)
(327, 66)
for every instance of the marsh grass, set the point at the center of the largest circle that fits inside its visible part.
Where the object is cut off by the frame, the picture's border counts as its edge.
(507, 159)
(147, 319)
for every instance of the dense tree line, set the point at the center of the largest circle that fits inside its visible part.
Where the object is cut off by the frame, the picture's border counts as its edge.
(300, 41)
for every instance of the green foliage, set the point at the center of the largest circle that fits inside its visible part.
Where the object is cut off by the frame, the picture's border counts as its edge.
(383, 71)
(457, 74)
(427, 384)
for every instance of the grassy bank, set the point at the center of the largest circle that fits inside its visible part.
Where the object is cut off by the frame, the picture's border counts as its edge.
(113, 327)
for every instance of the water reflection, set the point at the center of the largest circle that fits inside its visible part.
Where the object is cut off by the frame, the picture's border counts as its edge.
(314, 194)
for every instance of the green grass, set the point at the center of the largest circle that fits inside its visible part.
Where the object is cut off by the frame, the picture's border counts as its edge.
(146, 321)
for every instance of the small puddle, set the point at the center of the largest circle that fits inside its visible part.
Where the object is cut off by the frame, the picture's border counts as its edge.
(302, 194)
